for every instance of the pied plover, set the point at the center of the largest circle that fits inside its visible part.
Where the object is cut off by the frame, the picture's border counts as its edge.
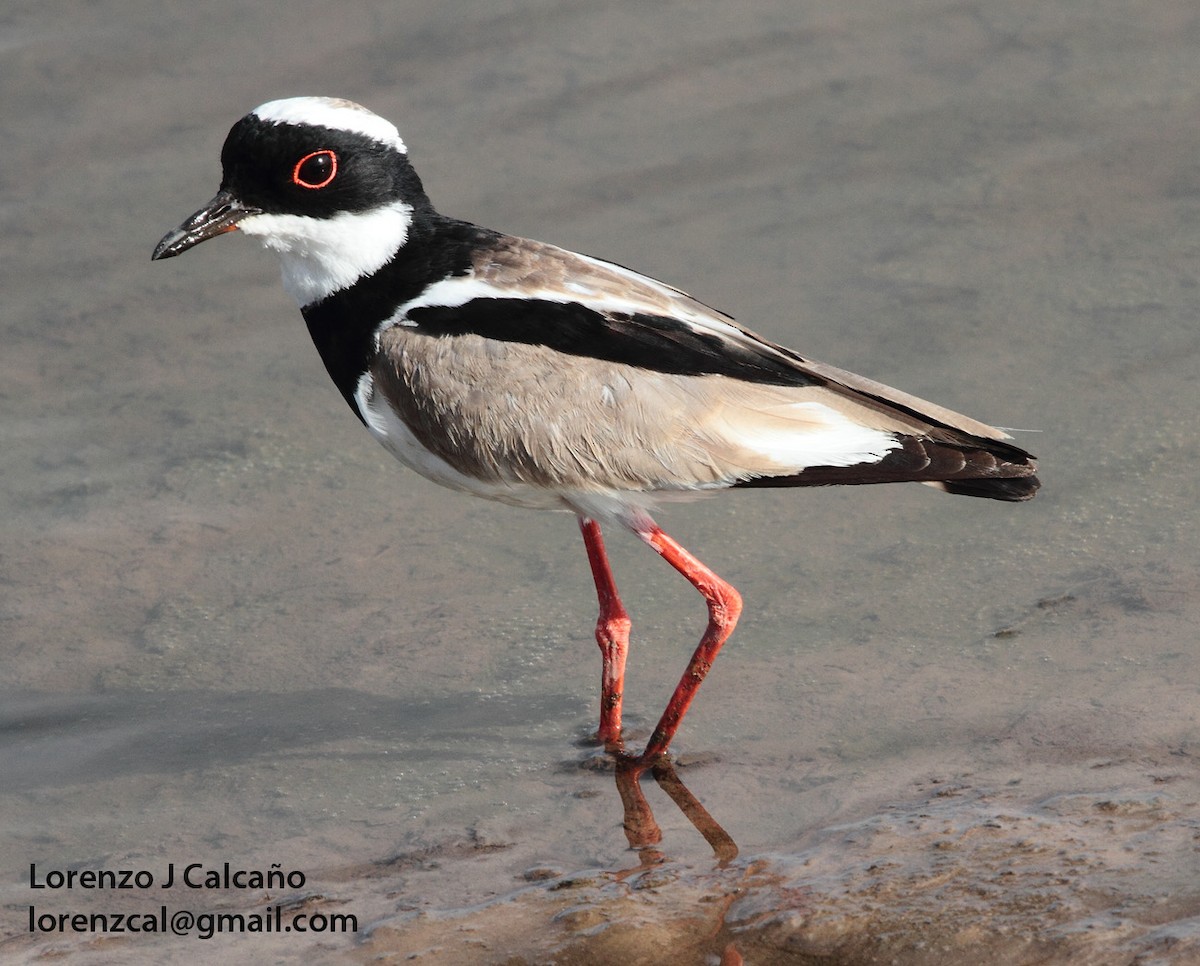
(532, 375)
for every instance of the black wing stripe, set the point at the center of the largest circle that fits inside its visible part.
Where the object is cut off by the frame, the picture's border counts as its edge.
(654, 342)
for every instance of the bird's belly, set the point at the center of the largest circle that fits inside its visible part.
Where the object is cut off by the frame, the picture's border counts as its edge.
(608, 504)
(398, 439)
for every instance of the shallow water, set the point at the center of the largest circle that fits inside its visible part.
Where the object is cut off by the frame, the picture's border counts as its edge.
(232, 630)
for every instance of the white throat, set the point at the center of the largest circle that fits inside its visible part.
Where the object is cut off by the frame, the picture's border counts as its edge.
(321, 256)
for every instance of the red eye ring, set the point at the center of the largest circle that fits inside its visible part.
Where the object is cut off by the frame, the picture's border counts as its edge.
(326, 164)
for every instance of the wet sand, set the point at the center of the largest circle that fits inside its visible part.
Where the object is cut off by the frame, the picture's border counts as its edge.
(233, 631)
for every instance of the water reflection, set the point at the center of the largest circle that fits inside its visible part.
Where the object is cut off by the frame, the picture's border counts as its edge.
(642, 830)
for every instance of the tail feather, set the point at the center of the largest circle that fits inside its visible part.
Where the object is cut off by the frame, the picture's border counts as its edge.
(1009, 489)
(968, 466)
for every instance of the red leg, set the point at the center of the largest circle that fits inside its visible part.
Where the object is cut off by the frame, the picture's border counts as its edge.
(612, 634)
(724, 606)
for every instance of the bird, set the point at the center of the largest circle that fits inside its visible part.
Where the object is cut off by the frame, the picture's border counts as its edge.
(524, 373)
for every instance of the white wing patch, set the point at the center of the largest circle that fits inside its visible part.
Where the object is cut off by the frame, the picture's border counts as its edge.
(461, 289)
(803, 434)
(449, 293)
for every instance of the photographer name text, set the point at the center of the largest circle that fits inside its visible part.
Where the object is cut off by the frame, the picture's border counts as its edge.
(193, 876)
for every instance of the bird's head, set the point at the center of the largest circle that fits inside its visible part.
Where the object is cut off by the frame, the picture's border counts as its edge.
(323, 182)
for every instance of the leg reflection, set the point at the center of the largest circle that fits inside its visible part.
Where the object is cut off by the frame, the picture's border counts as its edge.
(642, 830)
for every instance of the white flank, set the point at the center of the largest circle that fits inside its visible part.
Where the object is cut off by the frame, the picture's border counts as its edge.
(334, 113)
(820, 437)
(321, 256)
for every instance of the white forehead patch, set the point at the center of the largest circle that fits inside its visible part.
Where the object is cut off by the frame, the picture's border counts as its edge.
(334, 113)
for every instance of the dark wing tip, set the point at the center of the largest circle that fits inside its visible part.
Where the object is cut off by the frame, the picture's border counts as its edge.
(1012, 489)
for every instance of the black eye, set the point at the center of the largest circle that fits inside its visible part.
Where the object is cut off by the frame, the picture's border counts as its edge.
(315, 170)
